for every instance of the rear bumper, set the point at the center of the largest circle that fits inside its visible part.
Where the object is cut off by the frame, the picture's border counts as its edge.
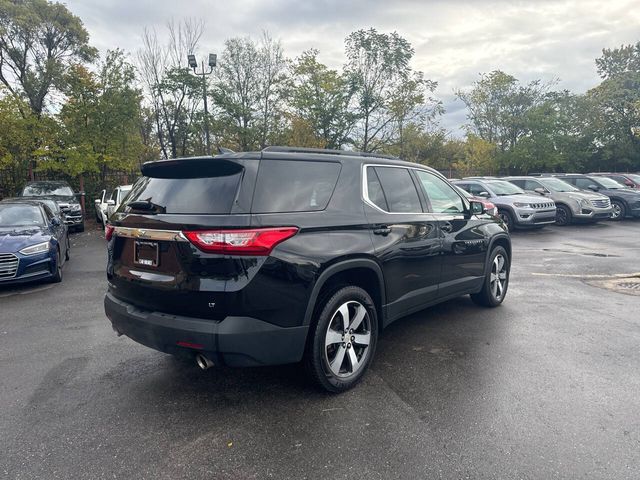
(235, 341)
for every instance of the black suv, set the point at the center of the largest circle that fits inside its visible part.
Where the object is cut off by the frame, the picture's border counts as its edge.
(287, 254)
(64, 196)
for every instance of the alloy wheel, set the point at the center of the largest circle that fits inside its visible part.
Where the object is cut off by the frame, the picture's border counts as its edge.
(616, 211)
(498, 279)
(347, 339)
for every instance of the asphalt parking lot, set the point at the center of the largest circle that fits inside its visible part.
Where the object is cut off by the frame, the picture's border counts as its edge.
(546, 386)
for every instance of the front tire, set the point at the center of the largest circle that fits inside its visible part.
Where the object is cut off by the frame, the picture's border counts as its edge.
(507, 218)
(496, 281)
(563, 215)
(342, 340)
(619, 211)
(57, 276)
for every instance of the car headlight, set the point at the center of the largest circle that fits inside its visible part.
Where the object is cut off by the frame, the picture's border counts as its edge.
(584, 203)
(522, 205)
(37, 248)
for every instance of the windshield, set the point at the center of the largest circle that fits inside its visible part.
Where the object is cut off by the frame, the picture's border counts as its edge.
(463, 192)
(608, 183)
(39, 189)
(557, 185)
(20, 216)
(634, 177)
(502, 188)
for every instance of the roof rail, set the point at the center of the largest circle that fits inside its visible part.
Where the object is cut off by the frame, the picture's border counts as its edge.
(326, 151)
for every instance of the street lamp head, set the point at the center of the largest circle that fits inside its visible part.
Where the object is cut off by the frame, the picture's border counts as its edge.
(212, 59)
(192, 61)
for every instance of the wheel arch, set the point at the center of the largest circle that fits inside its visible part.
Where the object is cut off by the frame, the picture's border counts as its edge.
(362, 272)
(501, 240)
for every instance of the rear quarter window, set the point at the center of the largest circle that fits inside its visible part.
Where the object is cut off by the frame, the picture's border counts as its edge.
(294, 186)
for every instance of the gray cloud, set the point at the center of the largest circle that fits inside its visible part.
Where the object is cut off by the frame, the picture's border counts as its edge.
(454, 40)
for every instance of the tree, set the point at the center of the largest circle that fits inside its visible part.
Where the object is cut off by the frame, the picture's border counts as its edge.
(479, 157)
(39, 40)
(378, 64)
(320, 100)
(498, 104)
(174, 93)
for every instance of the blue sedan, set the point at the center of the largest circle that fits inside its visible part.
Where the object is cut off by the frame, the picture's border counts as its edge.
(34, 243)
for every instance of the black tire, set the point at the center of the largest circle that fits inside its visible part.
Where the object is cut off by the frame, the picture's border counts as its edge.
(507, 218)
(67, 253)
(57, 277)
(319, 354)
(98, 219)
(487, 296)
(80, 228)
(619, 210)
(564, 216)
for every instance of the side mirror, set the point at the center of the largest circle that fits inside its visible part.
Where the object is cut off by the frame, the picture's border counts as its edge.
(484, 194)
(111, 202)
(541, 191)
(477, 208)
(55, 222)
(593, 187)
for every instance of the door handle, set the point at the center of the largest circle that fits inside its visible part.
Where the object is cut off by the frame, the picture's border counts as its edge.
(446, 227)
(382, 230)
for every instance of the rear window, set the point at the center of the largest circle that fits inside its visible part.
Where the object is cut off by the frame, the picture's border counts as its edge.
(208, 195)
(287, 186)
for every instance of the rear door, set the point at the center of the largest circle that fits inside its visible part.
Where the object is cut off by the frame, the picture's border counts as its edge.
(405, 238)
(464, 241)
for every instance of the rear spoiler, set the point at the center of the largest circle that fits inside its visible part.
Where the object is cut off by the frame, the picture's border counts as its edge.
(196, 167)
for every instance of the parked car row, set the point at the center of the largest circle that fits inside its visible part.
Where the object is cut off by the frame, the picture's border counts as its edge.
(105, 207)
(535, 201)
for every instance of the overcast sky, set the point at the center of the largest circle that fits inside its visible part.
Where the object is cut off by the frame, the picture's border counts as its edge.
(454, 40)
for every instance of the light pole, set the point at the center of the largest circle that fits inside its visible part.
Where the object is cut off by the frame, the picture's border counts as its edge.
(194, 65)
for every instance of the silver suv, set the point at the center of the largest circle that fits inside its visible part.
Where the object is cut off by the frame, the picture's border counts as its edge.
(515, 207)
(573, 205)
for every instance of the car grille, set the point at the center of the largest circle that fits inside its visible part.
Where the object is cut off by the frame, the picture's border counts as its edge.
(8, 265)
(601, 203)
(543, 205)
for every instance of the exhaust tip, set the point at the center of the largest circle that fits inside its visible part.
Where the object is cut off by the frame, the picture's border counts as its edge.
(203, 362)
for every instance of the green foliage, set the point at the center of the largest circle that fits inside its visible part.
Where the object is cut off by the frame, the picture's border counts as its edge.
(39, 40)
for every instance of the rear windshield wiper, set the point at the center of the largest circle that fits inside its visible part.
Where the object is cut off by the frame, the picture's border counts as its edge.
(147, 206)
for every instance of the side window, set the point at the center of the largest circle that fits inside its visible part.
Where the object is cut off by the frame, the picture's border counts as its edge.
(530, 185)
(475, 189)
(583, 183)
(114, 194)
(374, 190)
(442, 197)
(398, 189)
(47, 213)
(519, 183)
(290, 186)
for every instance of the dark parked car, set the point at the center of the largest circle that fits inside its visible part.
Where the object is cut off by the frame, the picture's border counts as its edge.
(287, 254)
(625, 202)
(34, 244)
(64, 195)
(631, 180)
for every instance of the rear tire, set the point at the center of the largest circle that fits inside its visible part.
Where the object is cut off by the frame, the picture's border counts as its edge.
(496, 281)
(563, 215)
(342, 340)
(67, 252)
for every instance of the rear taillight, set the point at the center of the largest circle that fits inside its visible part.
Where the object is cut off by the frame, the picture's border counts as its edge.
(258, 241)
(108, 232)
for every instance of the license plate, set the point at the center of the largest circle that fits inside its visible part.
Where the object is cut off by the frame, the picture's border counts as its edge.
(146, 253)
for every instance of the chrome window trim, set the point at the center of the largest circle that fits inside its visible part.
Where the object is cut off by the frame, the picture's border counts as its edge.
(150, 234)
(365, 188)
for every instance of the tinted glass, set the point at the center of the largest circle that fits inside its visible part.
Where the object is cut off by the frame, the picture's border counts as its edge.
(38, 189)
(374, 190)
(399, 190)
(584, 183)
(557, 185)
(519, 182)
(20, 215)
(473, 188)
(441, 195)
(209, 195)
(287, 186)
(609, 183)
(529, 184)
